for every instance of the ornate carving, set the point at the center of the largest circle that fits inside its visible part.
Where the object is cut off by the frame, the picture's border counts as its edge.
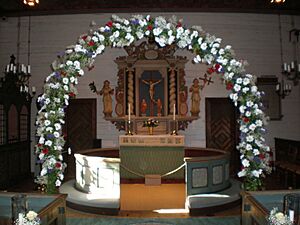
(150, 50)
(172, 90)
(130, 93)
(183, 93)
(119, 109)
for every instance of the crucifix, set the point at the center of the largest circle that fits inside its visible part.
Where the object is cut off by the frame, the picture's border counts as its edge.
(151, 84)
(205, 80)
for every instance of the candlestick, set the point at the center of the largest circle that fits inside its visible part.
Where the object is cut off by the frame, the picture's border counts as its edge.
(174, 112)
(129, 111)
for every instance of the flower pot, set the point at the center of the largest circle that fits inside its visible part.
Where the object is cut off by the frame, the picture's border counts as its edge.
(150, 130)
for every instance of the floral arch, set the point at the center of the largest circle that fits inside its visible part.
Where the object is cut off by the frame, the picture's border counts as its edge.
(120, 32)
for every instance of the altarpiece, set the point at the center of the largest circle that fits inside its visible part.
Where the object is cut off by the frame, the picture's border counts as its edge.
(151, 84)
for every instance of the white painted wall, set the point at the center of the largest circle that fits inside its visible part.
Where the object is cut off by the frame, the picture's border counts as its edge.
(254, 37)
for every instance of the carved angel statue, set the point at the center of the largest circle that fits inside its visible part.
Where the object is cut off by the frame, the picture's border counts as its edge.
(195, 98)
(107, 92)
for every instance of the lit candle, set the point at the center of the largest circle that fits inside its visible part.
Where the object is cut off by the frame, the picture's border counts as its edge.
(129, 112)
(28, 69)
(11, 67)
(291, 215)
(288, 68)
(292, 65)
(33, 89)
(15, 69)
(21, 88)
(174, 112)
(277, 87)
(284, 67)
(299, 67)
(7, 68)
(20, 218)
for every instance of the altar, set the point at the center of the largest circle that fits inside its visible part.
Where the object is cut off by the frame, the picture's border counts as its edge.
(143, 155)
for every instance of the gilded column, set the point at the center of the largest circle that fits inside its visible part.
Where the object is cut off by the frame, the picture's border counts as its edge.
(172, 90)
(130, 93)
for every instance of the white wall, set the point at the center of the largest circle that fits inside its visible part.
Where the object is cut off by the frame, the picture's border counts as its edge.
(254, 37)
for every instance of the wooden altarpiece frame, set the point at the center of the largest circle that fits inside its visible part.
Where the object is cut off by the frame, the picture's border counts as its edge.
(149, 57)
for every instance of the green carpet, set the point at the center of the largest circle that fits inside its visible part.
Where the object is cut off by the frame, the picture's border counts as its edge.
(231, 220)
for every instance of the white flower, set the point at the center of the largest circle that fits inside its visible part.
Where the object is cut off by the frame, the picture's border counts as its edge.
(249, 103)
(255, 173)
(48, 143)
(200, 39)
(242, 173)
(171, 39)
(31, 215)
(57, 183)
(214, 51)
(47, 122)
(116, 34)
(72, 79)
(242, 109)
(248, 114)
(254, 89)
(41, 155)
(41, 140)
(245, 162)
(56, 134)
(140, 34)
(66, 87)
(204, 46)
(246, 81)
(77, 64)
(245, 89)
(81, 72)
(257, 111)
(49, 129)
(259, 123)
(237, 87)
(61, 176)
(234, 97)
(147, 33)
(44, 171)
(197, 59)
(47, 101)
(221, 51)
(69, 63)
(157, 31)
(249, 147)
(57, 126)
(249, 138)
(256, 152)
(252, 127)
(95, 39)
(100, 49)
(239, 80)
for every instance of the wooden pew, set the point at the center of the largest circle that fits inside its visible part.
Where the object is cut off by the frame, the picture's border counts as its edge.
(288, 160)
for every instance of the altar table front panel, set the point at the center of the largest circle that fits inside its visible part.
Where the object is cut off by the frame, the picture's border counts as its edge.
(151, 154)
(50, 208)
